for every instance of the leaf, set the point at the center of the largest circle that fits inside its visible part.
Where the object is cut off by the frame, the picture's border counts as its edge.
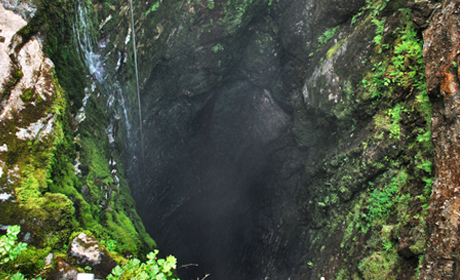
(117, 271)
(18, 276)
(13, 230)
(151, 255)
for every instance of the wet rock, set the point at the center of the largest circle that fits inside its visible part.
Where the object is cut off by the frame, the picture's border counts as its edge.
(86, 251)
(404, 248)
(441, 54)
(421, 12)
(64, 271)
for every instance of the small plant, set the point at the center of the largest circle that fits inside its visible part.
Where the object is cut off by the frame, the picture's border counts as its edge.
(327, 35)
(159, 269)
(211, 4)
(375, 6)
(111, 245)
(18, 74)
(20, 276)
(382, 200)
(380, 26)
(9, 248)
(154, 8)
(395, 113)
(217, 48)
(27, 95)
(387, 245)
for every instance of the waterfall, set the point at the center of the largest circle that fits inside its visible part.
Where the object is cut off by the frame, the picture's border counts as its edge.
(94, 62)
(82, 31)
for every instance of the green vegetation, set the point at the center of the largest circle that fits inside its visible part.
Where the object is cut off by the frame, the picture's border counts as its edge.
(153, 8)
(56, 18)
(217, 48)
(333, 50)
(52, 198)
(377, 266)
(374, 6)
(326, 36)
(375, 189)
(322, 41)
(383, 200)
(236, 13)
(10, 249)
(211, 4)
(153, 268)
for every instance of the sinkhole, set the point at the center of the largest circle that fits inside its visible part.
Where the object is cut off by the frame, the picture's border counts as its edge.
(218, 190)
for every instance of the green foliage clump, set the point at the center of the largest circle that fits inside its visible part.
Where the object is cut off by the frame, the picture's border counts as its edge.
(405, 69)
(18, 74)
(20, 276)
(153, 268)
(382, 187)
(377, 266)
(154, 8)
(326, 36)
(236, 14)
(211, 4)
(57, 19)
(389, 120)
(383, 200)
(218, 48)
(9, 248)
(376, 7)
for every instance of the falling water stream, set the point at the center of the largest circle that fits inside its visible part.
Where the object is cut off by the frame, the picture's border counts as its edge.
(94, 62)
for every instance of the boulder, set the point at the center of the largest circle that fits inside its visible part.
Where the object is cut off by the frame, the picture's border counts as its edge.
(86, 251)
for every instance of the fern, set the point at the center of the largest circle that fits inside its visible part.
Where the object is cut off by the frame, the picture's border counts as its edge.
(327, 35)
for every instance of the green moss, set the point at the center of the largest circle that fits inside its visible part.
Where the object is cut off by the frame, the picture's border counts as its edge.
(27, 95)
(54, 210)
(381, 173)
(333, 50)
(378, 266)
(18, 74)
(56, 17)
(32, 260)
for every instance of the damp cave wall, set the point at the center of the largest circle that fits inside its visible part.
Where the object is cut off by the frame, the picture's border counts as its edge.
(342, 146)
(285, 99)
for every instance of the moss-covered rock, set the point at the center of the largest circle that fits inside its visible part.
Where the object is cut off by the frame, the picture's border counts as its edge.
(41, 157)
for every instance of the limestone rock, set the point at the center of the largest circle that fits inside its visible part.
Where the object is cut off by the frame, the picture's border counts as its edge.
(86, 251)
(64, 271)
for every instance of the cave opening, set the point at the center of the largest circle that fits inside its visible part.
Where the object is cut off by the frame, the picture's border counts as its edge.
(215, 194)
(222, 164)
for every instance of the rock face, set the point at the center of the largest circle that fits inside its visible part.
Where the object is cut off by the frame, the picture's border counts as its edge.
(264, 116)
(270, 138)
(56, 168)
(10, 24)
(282, 139)
(441, 53)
